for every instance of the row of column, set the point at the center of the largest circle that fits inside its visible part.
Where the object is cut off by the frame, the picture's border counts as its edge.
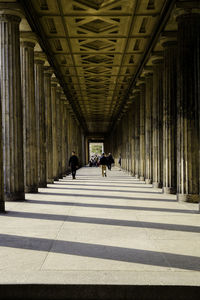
(166, 102)
(34, 115)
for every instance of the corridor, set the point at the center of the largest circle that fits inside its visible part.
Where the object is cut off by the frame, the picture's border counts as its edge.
(95, 230)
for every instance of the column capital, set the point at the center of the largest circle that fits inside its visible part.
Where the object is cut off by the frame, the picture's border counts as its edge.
(48, 71)
(59, 88)
(62, 96)
(186, 8)
(12, 12)
(135, 91)
(168, 39)
(157, 60)
(54, 81)
(139, 81)
(28, 38)
(147, 71)
(39, 57)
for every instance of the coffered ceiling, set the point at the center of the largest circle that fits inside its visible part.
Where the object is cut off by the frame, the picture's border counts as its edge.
(96, 47)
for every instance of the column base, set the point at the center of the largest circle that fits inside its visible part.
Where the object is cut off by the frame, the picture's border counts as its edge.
(42, 185)
(136, 176)
(17, 196)
(157, 185)
(148, 181)
(31, 189)
(169, 190)
(2, 206)
(193, 198)
(50, 181)
(141, 178)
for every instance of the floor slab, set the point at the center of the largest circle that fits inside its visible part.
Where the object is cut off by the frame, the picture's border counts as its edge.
(95, 230)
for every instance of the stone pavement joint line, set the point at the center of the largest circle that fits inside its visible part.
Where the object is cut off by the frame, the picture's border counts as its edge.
(100, 230)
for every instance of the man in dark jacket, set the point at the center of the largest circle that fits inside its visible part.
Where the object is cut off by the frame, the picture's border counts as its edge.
(73, 162)
(103, 163)
(110, 161)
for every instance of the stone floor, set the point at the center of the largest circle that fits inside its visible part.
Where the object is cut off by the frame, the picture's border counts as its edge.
(95, 230)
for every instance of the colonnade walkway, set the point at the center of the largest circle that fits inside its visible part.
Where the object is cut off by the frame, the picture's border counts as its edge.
(100, 230)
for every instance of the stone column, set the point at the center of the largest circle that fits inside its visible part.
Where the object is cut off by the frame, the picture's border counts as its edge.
(12, 124)
(64, 134)
(188, 47)
(141, 85)
(114, 143)
(54, 83)
(148, 127)
(2, 203)
(48, 71)
(40, 121)
(28, 41)
(156, 124)
(58, 126)
(136, 127)
(63, 130)
(129, 146)
(132, 137)
(169, 115)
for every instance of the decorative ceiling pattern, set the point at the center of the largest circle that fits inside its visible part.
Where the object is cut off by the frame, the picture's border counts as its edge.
(97, 46)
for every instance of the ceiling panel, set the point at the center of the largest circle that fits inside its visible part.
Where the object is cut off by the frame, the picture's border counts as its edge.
(98, 46)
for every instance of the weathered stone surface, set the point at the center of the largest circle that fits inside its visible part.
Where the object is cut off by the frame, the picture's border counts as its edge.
(54, 83)
(40, 112)
(142, 130)
(2, 203)
(29, 116)
(59, 131)
(12, 124)
(170, 116)
(188, 107)
(157, 127)
(148, 127)
(48, 123)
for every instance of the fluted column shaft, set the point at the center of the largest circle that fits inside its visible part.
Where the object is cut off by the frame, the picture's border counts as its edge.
(59, 134)
(137, 134)
(66, 137)
(40, 122)
(12, 126)
(188, 107)
(48, 123)
(54, 129)
(132, 139)
(148, 128)
(129, 146)
(2, 203)
(63, 129)
(142, 131)
(169, 117)
(29, 117)
(156, 124)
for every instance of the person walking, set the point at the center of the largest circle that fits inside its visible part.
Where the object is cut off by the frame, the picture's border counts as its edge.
(120, 161)
(73, 162)
(110, 161)
(103, 163)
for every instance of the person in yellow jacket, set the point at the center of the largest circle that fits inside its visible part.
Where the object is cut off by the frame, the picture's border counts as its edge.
(103, 163)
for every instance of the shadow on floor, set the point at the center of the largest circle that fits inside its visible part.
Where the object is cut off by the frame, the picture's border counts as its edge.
(106, 190)
(130, 255)
(104, 221)
(122, 198)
